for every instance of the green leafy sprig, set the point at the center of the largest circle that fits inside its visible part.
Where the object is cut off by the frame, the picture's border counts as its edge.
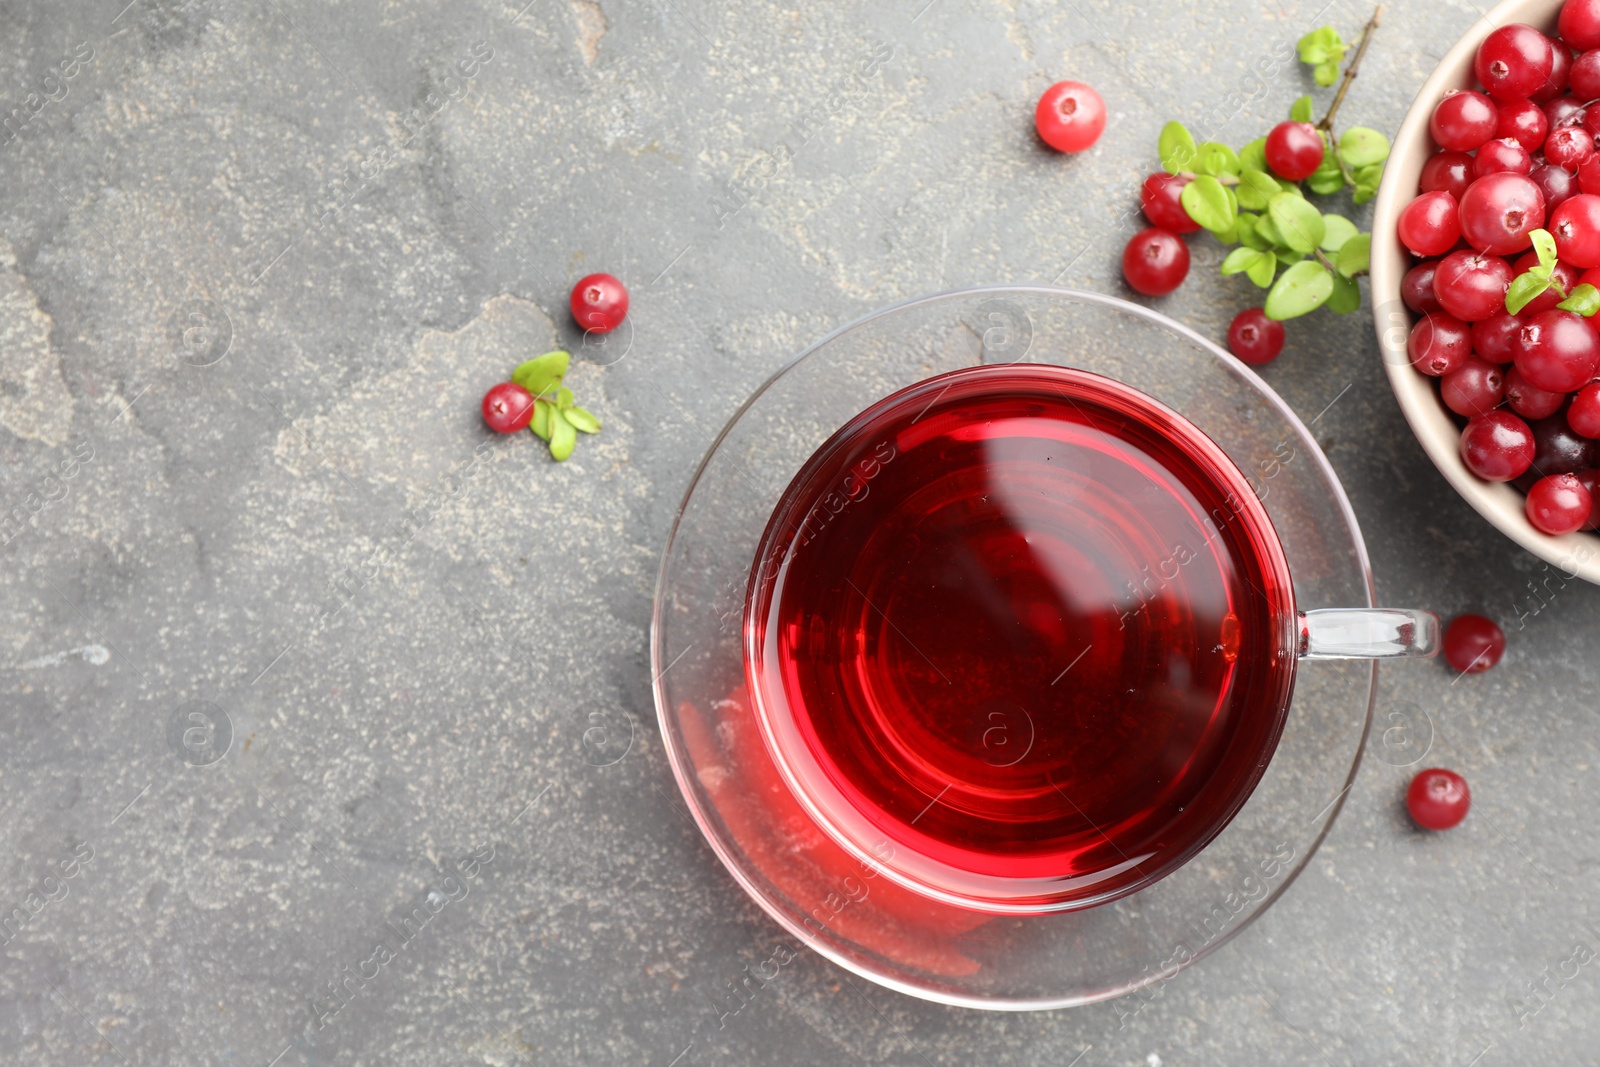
(556, 417)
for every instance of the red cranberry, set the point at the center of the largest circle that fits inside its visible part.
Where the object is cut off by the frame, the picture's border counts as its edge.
(1494, 338)
(1559, 504)
(1576, 228)
(1558, 449)
(1294, 150)
(1565, 275)
(1502, 155)
(1585, 76)
(507, 408)
(1588, 178)
(1527, 400)
(1163, 206)
(1568, 146)
(1473, 644)
(1560, 73)
(1474, 388)
(1155, 262)
(1584, 414)
(1449, 171)
(1472, 285)
(1431, 224)
(1416, 288)
(1588, 277)
(1557, 350)
(1070, 116)
(1438, 799)
(599, 303)
(1580, 24)
(1497, 447)
(1555, 183)
(1563, 111)
(1590, 120)
(1523, 121)
(1500, 212)
(1439, 343)
(1591, 482)
(1463, 120)
(1514, 62)
(1255, 338)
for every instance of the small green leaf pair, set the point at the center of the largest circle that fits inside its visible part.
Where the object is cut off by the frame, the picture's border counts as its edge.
(1538, 279)
(1323, 50)
(556, 417)
(1308, 285)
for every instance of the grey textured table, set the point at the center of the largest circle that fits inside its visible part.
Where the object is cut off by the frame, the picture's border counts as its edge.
(258, 263)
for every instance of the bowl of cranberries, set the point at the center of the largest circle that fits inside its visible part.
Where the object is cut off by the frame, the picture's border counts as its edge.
(1486, 274)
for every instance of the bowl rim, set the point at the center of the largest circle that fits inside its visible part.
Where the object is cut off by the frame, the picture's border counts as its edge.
(683, 770)
(1574, 555)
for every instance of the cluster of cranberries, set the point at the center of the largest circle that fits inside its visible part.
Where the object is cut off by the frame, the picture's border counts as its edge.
(1515, 158)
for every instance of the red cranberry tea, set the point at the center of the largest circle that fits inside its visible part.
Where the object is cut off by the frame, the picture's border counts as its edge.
(1031, 626)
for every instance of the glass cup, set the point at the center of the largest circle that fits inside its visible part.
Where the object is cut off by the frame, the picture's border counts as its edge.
(895, 926)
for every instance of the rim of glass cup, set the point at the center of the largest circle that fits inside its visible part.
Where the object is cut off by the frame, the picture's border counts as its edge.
(683, 773)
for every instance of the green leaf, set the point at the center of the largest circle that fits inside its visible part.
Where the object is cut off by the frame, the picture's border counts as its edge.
(1300, 110)
(1337, 230)
(1544, 246)
(1238, 261)
(1524, 288)
(1254, 155)
(541, 419)
(1325, 73)
(564, 398)
(1215, 159)
(1346, 295)
(1264, 270)
(1302, 288)
(1355, 255)
(581, 420)
(562, 436)
(1367, 179)
(1362, 146)
(1585, 300)
(1208, 204)
(1267, 231)
(1246, 231)
(1299, 224)
(1326, 182)
(542, 375)
(1255, 188)
(1322, 45)
(1176, 147)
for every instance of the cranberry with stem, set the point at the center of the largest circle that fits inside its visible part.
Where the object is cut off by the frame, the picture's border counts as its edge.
(1463, 120)
(1473, 644)
(1070, 116)
(507, 408)
(1497, 446)
(1474, 388)
(1438, 799)
(1439, 343)
(1254, 338)
(1559, 504)
(1500, 212)
(1557, 350)
(1514, 62)
(1431, 224)
(1161, 198)
(1155, 262)
(1472, 285)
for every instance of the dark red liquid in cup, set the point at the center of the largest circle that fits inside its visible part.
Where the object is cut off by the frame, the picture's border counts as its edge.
(1028, 628)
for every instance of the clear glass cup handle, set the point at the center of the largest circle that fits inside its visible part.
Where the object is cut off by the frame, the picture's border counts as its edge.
(1368, 633)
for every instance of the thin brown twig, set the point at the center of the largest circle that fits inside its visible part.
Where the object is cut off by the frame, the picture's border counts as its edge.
(1350, 72)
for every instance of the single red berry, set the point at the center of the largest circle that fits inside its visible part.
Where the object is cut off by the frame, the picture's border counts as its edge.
(1474, 388)
(1560, 73)
(1502, 155)
(1576, 228)
(1563, 111)
(1294, 150)
(1500, 212)
(1494, 338)
(1579, 24)
(1416, 288)
(1587, 179)
(1558, 448)
(1431, 224)
(599, 303)
(507, 408)
(1070, 116)
(1588, 277)
(1564, 275)
(1449, 171)
(1155, 262)
(1439, 343)
(1514, 62)
(1438, 799)
(1591, 482)
(1523, 121)
(1497, 447)
(1472, 285)
(1557, 350)
(1473, 644)
(1584, 414)
(1568, 146)
(1590, 120)
(1161, 198)
(1463, 120)
(1255, 338)
(1585, 76)
(1528, 400)
(1559, 504)
(1556, 183)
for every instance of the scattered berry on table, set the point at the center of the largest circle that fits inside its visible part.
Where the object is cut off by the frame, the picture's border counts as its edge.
(599, 303)
(1155, 262)
(1438, 799)
(507, 408)
(1473, 644)
(1070, 116)
(1254, 338)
